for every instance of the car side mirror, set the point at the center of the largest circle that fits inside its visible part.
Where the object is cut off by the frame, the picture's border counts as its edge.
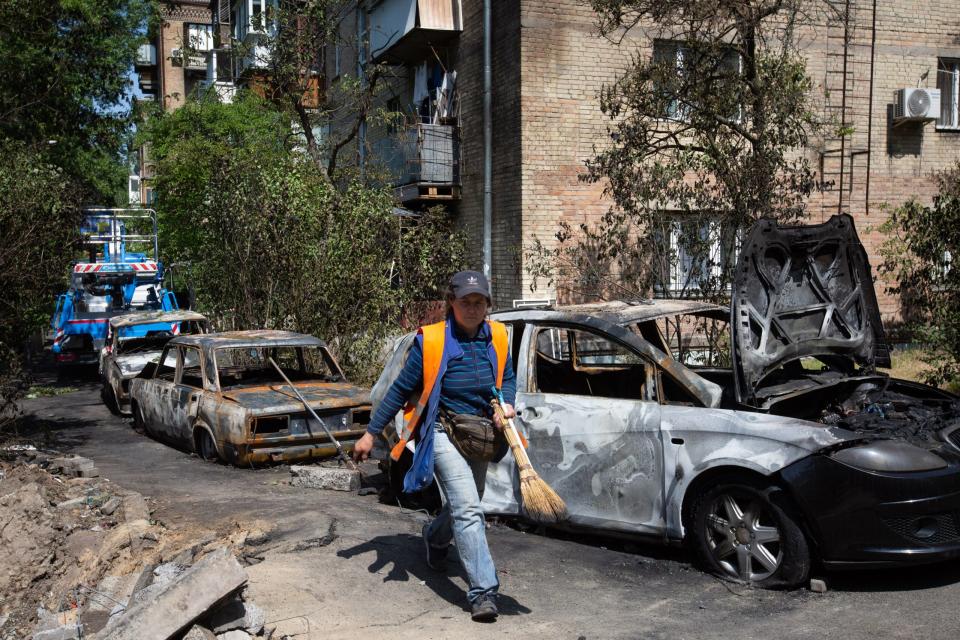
(148, 371)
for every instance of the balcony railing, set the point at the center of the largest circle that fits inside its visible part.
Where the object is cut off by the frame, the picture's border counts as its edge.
(423, 161)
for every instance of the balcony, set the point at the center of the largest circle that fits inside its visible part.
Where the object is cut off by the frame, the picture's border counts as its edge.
(189, 60)
(146, 56)
(423, 162)
(225, 90)
(404, 30)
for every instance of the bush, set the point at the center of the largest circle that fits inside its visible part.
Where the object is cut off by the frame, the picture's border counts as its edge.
(924, 242)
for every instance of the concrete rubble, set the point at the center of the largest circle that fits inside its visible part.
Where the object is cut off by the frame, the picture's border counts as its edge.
(84, 558)
(329, 478)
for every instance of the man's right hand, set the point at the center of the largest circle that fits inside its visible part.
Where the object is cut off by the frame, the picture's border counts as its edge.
(362, 448)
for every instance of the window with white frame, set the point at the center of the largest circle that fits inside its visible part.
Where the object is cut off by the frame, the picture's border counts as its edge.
(700, 250)
(948, 81)
(200, 37)
(680, 56)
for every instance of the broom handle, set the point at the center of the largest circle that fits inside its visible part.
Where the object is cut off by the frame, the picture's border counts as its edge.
(513, 438)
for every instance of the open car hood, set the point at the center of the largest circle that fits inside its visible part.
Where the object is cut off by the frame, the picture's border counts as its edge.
(803, 291)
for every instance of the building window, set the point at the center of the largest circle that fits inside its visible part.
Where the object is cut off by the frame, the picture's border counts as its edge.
(681, 57)
(948, 81)
(700, 252)
(200, 37)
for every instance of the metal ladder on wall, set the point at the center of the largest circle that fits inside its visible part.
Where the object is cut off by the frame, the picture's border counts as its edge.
(844, 156)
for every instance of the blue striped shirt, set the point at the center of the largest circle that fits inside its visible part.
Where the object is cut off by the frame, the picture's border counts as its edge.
(465, 387)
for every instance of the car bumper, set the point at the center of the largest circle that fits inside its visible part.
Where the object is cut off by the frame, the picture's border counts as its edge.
(873, 519)
(271, 452)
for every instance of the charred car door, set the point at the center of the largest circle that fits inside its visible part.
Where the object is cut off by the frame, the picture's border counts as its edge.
(588, 406)
(158, 391)
(186, 395)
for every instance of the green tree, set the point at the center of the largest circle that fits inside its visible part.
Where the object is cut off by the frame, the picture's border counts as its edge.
(274, 243)
(39, 222)
(919, 255)
(289, 55)
(64, 78)
(706, 135)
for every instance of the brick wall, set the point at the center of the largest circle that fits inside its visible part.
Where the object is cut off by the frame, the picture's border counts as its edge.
(508, 223)
(563, 64)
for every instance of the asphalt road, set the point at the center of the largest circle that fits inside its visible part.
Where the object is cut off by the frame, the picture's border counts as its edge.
(371, 581)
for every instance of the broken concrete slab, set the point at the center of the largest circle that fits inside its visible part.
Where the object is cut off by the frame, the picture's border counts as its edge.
(329, 478)
(111, 591)
(72, 463)
(70, 632)
(199, 633)
(234, 635)
(181, 602)
(111, 505)
(237, 614)
(135, 508)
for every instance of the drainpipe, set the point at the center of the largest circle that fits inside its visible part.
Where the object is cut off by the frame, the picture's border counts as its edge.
(487, 147)
(361, 74)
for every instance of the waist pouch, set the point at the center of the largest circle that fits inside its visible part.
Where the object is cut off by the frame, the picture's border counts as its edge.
(475, 437)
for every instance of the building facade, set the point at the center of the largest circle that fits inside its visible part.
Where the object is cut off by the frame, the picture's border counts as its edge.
(549, 64)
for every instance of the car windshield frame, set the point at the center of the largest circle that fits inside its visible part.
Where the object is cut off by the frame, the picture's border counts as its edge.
(267, 374)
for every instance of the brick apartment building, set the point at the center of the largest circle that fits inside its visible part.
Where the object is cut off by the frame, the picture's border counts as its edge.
(548, 66)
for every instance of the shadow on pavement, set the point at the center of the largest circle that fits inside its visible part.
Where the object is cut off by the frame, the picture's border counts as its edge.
(405, 553)
(61, 433)
(926, 576)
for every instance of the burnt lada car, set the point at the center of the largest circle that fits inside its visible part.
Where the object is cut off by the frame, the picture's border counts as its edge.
(133, 340)
(219, 396)
(762, 436)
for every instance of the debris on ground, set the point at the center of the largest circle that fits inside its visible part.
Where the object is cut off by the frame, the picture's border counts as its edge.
(325, 477)
(83, 558)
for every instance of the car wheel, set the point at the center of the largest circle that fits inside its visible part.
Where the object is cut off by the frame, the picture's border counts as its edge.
(205, 446)
(110, 399)
(139, 424)
(738, 533)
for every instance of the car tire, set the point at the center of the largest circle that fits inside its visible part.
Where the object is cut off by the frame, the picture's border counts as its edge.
(110, 399)
(139, 424)
(739, 533)
(205, 447)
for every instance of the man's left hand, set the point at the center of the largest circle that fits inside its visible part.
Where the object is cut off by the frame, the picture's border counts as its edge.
(508, 412)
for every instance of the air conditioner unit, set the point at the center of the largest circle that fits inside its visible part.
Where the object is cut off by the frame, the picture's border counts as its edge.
(917, 104)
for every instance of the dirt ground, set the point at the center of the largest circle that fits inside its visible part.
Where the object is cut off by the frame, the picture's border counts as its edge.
(335, 565)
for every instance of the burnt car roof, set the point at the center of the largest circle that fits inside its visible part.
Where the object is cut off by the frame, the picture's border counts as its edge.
(256, 338)
(152, 317)
(616, 312)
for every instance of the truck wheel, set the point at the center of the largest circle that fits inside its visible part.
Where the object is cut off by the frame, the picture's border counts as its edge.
(737, 532)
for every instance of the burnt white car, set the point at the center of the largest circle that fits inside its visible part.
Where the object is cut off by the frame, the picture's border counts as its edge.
(220, 396)
(133, 340)
(762, 435)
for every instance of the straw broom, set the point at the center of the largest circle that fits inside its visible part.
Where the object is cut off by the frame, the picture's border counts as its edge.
(540, 502)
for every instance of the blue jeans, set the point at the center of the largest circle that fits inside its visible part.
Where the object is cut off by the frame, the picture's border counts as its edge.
(461, 519)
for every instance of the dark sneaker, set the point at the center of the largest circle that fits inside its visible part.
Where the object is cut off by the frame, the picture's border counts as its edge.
(436, 556)
(484, 609)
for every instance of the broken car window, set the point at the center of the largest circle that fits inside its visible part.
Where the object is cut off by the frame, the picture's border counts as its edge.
(238, 366)
(190, 374)
(167, 368)
(695, 341)
(575, 362)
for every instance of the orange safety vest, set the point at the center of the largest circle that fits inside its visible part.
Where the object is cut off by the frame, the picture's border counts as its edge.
(433, 339)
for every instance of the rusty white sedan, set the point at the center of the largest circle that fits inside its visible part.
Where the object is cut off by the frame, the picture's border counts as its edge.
(220, 396)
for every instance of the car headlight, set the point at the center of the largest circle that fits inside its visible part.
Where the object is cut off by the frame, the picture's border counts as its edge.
(889, 455)
(298, 426)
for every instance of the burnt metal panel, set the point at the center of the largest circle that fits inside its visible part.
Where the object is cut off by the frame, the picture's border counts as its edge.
(802, 291)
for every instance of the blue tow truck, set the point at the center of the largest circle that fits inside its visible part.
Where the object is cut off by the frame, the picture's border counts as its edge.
(120, 275)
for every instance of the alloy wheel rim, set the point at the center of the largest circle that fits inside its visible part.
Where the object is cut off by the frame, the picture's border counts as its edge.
(743, 537)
